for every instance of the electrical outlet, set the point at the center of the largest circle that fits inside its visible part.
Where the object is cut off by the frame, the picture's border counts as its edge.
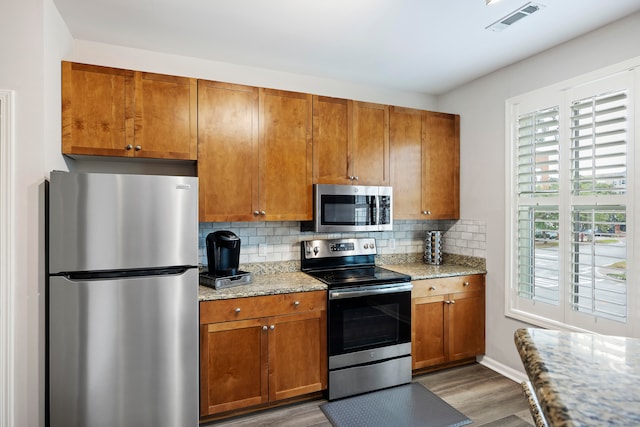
(392, 244)
(262, 249)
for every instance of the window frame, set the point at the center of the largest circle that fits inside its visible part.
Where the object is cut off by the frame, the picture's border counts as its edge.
(561, 94)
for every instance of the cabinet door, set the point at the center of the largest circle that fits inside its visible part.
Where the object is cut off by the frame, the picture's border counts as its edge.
(332, 140)
(297, 354)
(406, 134)
(466, 318)
(227, 151)
(371, 143)
(429, 335)
(441, 170)
(233, 365)
(97, 110)
(285, 155)
(165, 117)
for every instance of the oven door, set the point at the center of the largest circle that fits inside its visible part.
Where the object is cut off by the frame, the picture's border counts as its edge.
(369, 317)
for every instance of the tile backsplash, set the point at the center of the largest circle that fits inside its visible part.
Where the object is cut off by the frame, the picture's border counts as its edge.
(280, 241)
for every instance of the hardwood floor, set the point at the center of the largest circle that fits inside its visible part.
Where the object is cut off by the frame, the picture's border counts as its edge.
(484, 396)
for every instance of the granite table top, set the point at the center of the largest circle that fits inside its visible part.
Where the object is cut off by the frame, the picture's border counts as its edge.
(272, 282)
(582, 379)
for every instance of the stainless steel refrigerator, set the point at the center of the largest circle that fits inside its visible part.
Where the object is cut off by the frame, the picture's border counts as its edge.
(122, 300)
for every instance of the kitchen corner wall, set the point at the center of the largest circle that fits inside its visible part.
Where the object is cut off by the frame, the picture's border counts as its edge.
(280, 241)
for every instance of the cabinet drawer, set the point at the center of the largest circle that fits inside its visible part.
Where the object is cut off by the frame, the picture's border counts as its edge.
(261, 306)
(447, 285)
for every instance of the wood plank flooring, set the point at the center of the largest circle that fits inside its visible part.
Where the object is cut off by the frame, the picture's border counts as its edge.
(486, 397)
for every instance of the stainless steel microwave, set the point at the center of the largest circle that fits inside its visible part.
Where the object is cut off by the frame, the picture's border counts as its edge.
(348, 208)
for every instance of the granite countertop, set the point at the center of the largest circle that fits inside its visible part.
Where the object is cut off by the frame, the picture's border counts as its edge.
(419, 271)
(582, 379)
(286, 277)
(265, 284)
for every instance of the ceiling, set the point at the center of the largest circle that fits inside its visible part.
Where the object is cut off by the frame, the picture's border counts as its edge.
(424, 46)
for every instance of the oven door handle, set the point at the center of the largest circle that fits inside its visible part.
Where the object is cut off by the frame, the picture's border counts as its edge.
(368, 291)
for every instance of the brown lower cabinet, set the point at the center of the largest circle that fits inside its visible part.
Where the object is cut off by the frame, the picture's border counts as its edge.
(448, 320)
(258, 350)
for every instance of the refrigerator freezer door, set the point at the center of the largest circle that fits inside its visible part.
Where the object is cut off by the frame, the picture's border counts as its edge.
(108, 221)
(124, 352)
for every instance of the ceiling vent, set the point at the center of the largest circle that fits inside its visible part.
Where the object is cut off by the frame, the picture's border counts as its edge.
(515, 16)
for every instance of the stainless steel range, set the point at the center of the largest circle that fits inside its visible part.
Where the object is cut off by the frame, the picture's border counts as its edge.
(369, 316)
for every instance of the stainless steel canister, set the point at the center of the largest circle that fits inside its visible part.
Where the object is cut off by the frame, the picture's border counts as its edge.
(433, 243)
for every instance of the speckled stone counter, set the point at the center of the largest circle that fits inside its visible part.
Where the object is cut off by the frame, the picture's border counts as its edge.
(582, 379)
(419, 271)
(265, 284)
(286, 277)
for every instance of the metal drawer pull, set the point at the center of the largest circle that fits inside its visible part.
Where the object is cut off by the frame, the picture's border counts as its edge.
(138, 147)
(465, 284)
(296, 303)
(128, 147)
(432, 288)
(272, 327)
(238, 310)
(264, 328)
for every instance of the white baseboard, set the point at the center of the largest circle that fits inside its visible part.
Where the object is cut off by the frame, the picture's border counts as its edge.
(512, 374)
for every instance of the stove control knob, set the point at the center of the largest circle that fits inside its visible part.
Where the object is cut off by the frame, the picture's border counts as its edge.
(371, 246)
(366, 246)
(316, 250)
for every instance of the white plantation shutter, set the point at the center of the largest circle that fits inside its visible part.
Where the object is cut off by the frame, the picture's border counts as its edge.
(598, 254)
(571, 201)
(538, 153)
(538, 164)
(599, 144)
(538, 263)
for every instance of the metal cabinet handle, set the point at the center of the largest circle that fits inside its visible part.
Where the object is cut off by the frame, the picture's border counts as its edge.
(453, 301)
(426, 212)
(128, 147)
(272, 327)
(238, 310)
(138, 147)
(264, 328)
(465, 284)
(355, 177)
(432, 288)
(263, 213)
(296, 303)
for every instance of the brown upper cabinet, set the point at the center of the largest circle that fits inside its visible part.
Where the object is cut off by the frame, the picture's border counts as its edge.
(254, 153)
(114, 112)
(351, 142)
(425, 164)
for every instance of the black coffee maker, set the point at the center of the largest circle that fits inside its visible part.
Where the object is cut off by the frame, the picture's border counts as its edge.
(223, 253)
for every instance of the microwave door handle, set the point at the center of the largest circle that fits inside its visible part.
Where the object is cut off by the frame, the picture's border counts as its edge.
(375, 210)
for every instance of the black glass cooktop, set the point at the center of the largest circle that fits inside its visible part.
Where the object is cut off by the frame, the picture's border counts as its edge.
(353, 276)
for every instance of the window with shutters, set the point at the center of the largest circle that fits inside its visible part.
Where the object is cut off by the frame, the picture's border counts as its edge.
(570, 206)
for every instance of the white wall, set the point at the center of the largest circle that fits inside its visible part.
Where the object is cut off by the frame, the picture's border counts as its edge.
(481, 105)
(29, 29)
